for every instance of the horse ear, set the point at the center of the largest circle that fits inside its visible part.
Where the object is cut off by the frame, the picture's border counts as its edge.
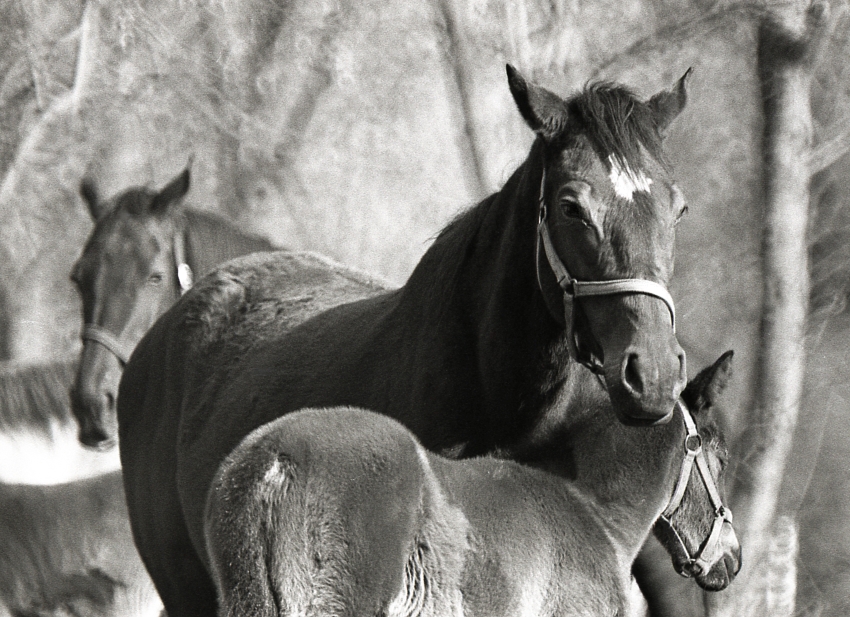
(705, 389)
(88, 191)
(171, 193)
(544, 111)
(667, 104)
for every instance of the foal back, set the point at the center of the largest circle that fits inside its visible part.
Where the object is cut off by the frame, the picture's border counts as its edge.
(333, 514)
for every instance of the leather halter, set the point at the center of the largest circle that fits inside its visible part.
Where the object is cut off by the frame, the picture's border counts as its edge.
(573, 288)
(694, 453)
(185, 278)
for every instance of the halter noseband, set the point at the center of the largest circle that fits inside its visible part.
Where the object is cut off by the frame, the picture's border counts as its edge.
(185, 279)
(573, 288)
(694, 452)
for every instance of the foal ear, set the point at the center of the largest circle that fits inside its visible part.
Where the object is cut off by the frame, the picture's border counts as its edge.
(88, 191)
(544, 111)
(667, 104)
(171, 193)
(705, 389)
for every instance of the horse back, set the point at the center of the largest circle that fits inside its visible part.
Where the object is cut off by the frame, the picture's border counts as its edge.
(326, 512)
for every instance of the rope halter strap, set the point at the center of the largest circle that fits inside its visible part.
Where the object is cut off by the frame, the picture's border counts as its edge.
(695, 454)
(574, 288)
(102, 336)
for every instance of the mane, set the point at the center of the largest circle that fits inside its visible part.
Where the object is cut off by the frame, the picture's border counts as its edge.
(617, 123)
(36, 395)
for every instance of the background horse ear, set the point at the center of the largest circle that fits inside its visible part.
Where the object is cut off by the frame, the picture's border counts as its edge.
(544, 111)
(171, 193)
(667, 104)
(705, 389)
(88, 191)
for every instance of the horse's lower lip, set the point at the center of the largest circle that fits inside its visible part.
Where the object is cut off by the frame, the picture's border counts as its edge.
(99, 445)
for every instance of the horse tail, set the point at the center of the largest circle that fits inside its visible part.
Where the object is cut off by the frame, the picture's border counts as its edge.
(241, 534)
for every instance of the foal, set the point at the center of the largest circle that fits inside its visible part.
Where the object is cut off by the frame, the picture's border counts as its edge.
(343, 512)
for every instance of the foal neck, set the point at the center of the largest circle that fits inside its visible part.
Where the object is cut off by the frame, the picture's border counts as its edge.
(628, 473)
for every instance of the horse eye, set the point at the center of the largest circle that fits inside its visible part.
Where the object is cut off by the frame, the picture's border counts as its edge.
(155, 278)
(571, 208)
(682, 213)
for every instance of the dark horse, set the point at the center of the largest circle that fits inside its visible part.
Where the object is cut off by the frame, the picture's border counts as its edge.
(142, 254)
(484, 347)
(340, 511)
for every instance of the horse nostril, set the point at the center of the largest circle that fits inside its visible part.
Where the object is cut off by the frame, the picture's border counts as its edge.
(631, 375)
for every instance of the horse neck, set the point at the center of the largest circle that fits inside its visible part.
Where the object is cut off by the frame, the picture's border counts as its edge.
(627, 473)
(477, 286)
(211, 240)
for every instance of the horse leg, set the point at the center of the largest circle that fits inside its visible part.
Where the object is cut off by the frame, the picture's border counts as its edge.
(160, 533)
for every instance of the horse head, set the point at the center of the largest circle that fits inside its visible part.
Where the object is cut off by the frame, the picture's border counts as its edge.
(696, 528)
(131, 270)
(608, 207)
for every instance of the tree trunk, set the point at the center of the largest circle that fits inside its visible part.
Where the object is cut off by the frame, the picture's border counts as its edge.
(790, 39)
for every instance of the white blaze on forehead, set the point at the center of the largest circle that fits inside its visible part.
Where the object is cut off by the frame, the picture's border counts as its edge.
(626, 180)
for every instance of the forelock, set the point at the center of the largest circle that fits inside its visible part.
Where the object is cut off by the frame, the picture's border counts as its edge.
(618, 124)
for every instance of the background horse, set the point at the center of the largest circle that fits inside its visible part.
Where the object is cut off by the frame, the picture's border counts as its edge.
(144, 251)
(471, 354)
(38, 434)
(342, 511)
(67, 550)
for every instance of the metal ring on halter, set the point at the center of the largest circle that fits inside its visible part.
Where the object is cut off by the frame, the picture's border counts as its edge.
(93, 332)
(694, 453)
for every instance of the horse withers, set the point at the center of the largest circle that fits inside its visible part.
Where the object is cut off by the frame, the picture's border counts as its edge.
(553, 286)
(144, 251)
(343, 512)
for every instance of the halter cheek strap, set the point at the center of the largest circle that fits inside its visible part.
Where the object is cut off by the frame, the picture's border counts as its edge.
(573, 288)
(97, 334)
(694, 453)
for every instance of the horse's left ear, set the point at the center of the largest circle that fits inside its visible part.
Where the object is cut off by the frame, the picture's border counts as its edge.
(171, 193)
(88, 191)
(545, 112)
(704, 390)
(667, 104)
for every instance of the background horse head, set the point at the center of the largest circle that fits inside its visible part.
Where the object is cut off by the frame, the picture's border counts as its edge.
(608, 207)
(144, 251)
(343, 509)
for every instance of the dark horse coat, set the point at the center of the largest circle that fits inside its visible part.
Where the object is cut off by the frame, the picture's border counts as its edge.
(472, 354)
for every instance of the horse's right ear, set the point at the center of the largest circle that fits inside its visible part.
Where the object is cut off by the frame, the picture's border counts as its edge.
(545, 112)
(171, 193)
(668, 104)
(88, 191)
(705, 389)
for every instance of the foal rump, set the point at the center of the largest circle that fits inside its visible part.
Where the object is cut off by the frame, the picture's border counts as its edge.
(298, 513)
